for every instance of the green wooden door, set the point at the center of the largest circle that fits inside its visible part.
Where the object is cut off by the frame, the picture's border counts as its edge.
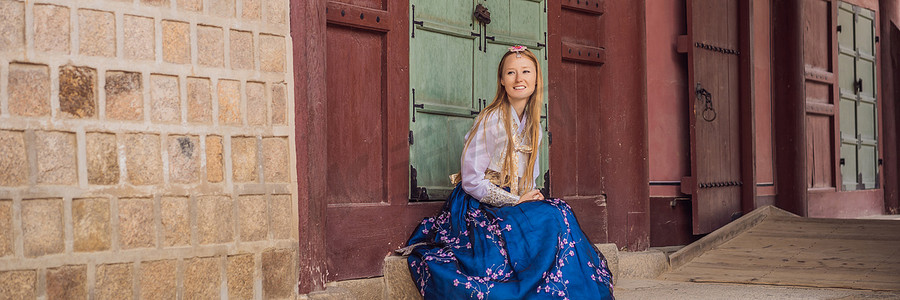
(453, 65)
(858, 108)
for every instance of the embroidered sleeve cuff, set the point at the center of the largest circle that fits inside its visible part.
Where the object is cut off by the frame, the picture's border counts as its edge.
(499, 197)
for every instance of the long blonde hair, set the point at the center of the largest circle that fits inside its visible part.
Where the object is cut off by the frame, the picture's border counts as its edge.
(532, 125)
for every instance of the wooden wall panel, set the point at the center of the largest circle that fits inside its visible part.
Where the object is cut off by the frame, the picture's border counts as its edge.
(590, 164)
(818, 53)
(355, 112)
(667, 115)
(564, 118)
(819, 137)
(817, 34)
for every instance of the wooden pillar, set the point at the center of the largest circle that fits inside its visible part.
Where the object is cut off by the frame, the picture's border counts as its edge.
(789, 107)
(308, 37)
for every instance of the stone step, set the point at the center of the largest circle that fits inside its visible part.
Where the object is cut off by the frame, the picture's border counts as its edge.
(645, 264)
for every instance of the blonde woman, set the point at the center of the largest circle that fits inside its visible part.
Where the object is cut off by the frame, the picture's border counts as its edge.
(497, 237)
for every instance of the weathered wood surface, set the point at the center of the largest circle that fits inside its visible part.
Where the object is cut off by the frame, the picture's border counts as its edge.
(790, 250)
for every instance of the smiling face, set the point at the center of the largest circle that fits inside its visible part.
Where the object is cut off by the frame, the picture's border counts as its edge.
(518, 77)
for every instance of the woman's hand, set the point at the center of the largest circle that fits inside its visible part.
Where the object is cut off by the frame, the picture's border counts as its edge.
(533, 195)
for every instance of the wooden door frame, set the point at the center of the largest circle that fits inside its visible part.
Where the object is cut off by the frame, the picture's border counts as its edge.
(788, 87)
(308, 23)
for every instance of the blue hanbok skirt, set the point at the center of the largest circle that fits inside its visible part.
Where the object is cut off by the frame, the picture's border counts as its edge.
(534, 250)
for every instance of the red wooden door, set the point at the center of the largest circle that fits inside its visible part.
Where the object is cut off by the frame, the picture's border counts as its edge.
(714, 86)
(365, 176)
(576, 59)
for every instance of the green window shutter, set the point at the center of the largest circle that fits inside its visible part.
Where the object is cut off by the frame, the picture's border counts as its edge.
(859, 130)
(441, 109)
(453, 65)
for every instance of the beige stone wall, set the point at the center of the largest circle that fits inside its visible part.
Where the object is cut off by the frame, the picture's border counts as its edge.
(146, 149)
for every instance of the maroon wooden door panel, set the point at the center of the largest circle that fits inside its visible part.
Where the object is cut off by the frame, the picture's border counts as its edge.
(575, 59)
(714, 87)
(819, 59)
(367, 213)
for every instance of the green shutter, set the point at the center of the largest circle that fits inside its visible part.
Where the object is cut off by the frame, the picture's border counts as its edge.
(859, 130)
(453, 73)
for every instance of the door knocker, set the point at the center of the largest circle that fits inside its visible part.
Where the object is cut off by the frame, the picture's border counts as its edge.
(482, 14)
(709, 113)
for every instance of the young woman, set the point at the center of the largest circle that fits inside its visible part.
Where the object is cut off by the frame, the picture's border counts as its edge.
(496, 236)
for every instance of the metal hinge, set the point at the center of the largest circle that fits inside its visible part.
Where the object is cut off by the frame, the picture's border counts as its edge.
(414, 22)
(410, 137)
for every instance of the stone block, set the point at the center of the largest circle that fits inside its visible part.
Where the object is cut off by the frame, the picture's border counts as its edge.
(67, 282)
(275, 11)
(271, 53)
(139, 39)
(18, 284)
(251, 9)
(158, 279)
(241, 49)
(176, 43)
(102, 158)
(368, 288)
(77, 91)
(12, 29)
(221, 8)
(190, 5)
(114, 281)
(175, 213)
(42, 226)
(124, 96)
(397, 280)
(252, 217)
(240, 276)
(96, 33)
(199, 100)
(276, 159)
(51, 28)
(611, 252)
(165, 100)
(136, 228)
(202, 278)
(6, 228)
(142, 159)
(214, 219)
(162, 3)
(214, 164)
(244, 159)
(230, 102)
(90, 224)
(210, 46)
(13, 158)
(56, 157)
(278, 274)
(279, 104)
(29, 89)
(256, 104)
(644, 264)
(282, 217)
(184, 159)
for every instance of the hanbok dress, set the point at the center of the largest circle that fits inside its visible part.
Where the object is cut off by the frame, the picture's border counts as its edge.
(481, 245)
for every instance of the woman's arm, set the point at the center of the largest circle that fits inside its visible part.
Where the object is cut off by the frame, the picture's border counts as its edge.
(476, 159)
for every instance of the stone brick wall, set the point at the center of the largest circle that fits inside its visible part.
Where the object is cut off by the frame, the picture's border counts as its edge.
(146, 150)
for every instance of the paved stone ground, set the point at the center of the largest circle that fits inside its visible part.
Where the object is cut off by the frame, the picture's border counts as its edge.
(630, 288)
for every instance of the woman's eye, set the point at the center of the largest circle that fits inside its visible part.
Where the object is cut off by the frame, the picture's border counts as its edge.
(526, 71)
(510, 73)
